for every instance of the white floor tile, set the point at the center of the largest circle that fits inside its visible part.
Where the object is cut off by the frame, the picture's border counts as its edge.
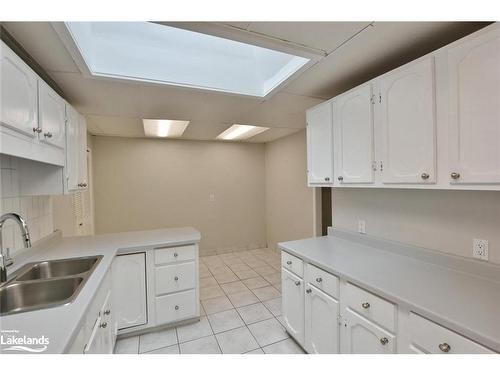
(256, 351)
(243, 298)
(268, 332)
(218, 304)
(266, 293)
(234, 287)
(237, 341)
(274, 278)
(255, 282)
(225, 277)
(156, 340)
(265, 270)
(210, 292)
(174, 349)
(254, 313)
(194, 331)
(274, 305)
(129, 345)
(287, 346)
(206, 282)
(243, 275)
(225, 321)
(205, 345)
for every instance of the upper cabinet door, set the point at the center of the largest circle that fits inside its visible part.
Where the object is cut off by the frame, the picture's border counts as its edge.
(52, 116)
(408, 124)
(18, 93)
(320, 145)
(72, 149)
(353, 134)
(82, 151)
(474, 110)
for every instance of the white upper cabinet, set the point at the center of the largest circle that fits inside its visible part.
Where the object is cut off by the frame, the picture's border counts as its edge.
(353, 135)
(320, 145)
(408, 125)
(76, 151)
(18, 95)
(52, 116)
(474, 110)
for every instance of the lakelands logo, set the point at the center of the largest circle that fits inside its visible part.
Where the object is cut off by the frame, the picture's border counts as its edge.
(13, 341)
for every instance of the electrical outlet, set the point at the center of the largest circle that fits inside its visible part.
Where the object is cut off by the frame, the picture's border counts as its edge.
(362, 226)
(480, 249)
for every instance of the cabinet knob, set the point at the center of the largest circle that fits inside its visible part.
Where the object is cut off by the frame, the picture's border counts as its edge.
(37, 130)
(455, 175)
(103, 325)
(365, 305)
(308, 291)
(340, 178)
(384, 340)
(289, 262)
(327, 178)
(444, 347)
(425, 176)
(176, 307)
(107, 312)
(176, 255)
(297, 283)
(176, 278)
(47, 135)
(319, 279)
(84, 184)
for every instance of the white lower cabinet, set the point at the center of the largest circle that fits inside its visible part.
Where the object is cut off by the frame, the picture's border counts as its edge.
(321, 322)
(293, 304)
(129, 285)
(362, 336)
(176, 306)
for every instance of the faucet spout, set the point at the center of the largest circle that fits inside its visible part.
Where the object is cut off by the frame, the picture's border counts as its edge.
(5, 260)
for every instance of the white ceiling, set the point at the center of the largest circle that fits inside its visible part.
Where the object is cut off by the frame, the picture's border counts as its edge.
(350, 53)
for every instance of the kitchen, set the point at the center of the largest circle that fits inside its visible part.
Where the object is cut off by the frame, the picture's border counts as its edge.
(250, 187)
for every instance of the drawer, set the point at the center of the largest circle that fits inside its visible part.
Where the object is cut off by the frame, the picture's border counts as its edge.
(429, 337)
(292, 263)
(175, 277)
(175, 254)
(322, 280)
(175, 307)
(371, 306)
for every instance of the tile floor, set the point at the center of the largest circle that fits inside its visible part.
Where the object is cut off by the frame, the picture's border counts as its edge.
(241, 311)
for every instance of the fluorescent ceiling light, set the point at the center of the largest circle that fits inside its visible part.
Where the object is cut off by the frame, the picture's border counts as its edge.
(164, 128)
(149, 52)
(238, 132)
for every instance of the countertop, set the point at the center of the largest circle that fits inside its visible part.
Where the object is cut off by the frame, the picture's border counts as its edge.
(458, 293)
(61, 324)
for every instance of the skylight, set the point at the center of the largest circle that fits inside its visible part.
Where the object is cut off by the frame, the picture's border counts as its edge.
(144, 51)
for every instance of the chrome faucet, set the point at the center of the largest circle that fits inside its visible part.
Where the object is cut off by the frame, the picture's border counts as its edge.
(5, 259)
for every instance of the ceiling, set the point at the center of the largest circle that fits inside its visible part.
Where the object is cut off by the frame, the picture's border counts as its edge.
(347, 54)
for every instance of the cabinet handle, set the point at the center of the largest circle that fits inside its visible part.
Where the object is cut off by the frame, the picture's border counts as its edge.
(176, 255)
(327, 178)
(308, 291)
(425, 176)
(176, 307)
(107, 312)
(365, 305)
(297, 283)
(84, 184)
(176, 278)
(455, 175)
(289, 262)
(444, 347)
(319, 279)
(37, 130)
(47, 135)
(103, 325)
(384, 340)
(340, 178)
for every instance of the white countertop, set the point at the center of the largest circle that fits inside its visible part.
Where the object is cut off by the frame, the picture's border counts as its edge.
(461, 294)
(61, 324)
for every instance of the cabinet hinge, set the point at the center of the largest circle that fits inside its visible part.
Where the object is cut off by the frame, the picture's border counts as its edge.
(372, 99)
(374, 165)
(381, 166)
(379, 97)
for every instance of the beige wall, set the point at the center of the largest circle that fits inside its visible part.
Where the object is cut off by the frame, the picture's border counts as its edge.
(147, 183)
(289, 202)
(442, 220)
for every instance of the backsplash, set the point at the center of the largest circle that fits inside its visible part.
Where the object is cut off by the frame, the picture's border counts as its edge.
(37, 210)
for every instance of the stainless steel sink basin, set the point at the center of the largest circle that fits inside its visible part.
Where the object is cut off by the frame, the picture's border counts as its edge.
(58, 268)
(45, 284)
(18, 297)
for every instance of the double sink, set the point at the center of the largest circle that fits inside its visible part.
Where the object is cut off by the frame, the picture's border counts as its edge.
(40, 285)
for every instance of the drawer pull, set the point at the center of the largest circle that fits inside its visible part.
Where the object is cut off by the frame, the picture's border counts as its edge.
(176, 307)
(444, 347)
(319, 279)
(384, 340)
(176, 278)
(455, 175)
(289, 262)
(365, 305)
(103, 325)
(308, 291)
(297, 283)
(107, 312)
(176, 255)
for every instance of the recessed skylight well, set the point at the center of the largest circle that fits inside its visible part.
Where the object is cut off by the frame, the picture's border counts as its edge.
(238, 132)
(150, 52)
(164, 128)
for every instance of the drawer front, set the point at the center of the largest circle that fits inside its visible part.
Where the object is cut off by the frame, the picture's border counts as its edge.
(175, 254)
(175, 277)
(322, 280)
(371, 306)
(429, 337)
(175, 307)
(292, 263)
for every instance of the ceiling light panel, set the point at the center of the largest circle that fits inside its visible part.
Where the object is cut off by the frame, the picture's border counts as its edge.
(164, 128)
(239, 132)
